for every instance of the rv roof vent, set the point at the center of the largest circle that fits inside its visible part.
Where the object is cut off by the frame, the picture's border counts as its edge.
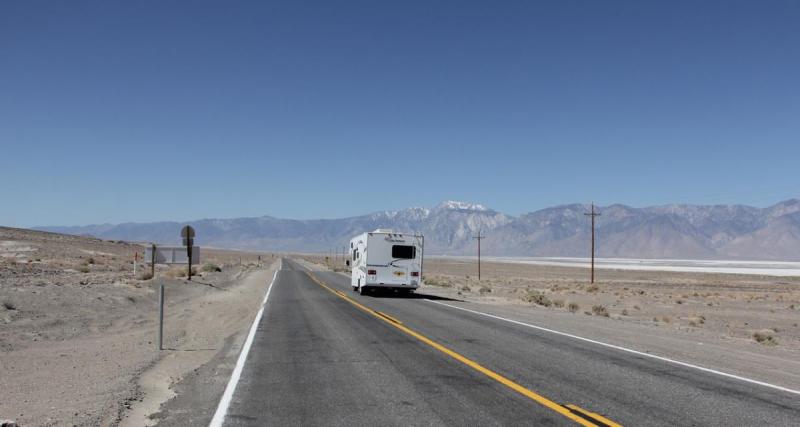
(383, 230)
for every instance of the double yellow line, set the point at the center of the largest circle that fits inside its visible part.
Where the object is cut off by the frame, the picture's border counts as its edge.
(573, 412)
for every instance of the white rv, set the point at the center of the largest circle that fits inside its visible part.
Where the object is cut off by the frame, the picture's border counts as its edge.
(385, 259)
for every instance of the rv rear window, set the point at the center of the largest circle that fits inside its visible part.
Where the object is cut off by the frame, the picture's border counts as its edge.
(404, 252)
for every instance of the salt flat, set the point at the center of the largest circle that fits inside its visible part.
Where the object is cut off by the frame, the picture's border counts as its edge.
(758, 268)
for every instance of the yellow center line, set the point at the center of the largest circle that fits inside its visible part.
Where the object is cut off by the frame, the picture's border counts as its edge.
(472, 364)
(388, 317)
(594, 415)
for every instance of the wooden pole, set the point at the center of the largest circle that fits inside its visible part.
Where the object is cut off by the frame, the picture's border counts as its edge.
(592, 214)
(479, 237)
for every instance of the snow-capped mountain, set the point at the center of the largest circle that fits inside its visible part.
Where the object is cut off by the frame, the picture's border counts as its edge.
(670, 231)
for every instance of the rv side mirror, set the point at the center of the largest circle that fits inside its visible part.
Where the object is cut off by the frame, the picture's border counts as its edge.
(347, 262)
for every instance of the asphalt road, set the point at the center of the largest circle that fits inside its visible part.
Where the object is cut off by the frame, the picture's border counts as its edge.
(324, 355)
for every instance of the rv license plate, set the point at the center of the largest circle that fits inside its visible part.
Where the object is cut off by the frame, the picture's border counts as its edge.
(399, 273)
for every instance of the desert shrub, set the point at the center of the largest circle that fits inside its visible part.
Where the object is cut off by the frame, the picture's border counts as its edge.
(484, 290)
(90, 260)
(765, 336)
(696, 321)
(558, 303)
(146, 275)
(600, 310)
(9, 305)
(180, 272)
(84, 269)
(624, 311)
(636, 307)
(679, 302)
(436, 282)
(666, 319)
(466, 288)
(174, 272)
(573, 307)
(211, 268)
(537, 297)
(592, 288)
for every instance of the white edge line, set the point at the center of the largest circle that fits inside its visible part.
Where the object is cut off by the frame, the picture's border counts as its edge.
(225, 401)
(616, 347)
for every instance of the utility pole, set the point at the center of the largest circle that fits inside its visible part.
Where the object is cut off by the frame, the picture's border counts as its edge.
(479, 237)
(592, 214)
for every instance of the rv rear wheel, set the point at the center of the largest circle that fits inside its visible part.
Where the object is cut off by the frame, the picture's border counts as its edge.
(362, 290)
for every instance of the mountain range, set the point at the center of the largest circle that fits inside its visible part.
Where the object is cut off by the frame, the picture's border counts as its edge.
(669, 231)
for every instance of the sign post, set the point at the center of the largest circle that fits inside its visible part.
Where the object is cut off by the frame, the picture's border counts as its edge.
(170, 255)
(188, 240)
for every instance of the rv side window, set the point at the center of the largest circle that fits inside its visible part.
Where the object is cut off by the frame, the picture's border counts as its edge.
(404, 252)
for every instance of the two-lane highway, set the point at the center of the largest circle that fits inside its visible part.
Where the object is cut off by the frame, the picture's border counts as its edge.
(323, 355)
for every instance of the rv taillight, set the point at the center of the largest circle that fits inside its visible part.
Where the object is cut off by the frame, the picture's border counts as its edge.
(372, 272)
(415, 274)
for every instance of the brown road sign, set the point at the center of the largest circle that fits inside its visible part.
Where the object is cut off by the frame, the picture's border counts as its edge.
(187, 232)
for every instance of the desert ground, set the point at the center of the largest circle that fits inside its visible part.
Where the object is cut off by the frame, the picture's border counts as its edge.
(743, 308)
(78, 330)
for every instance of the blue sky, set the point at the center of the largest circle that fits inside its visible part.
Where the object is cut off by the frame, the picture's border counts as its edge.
(140, 111)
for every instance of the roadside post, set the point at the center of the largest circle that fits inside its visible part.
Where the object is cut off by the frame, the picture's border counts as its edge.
(161, 316)
(135, 261)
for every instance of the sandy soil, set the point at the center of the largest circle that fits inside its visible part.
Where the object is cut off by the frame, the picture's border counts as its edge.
(77, 330)
(750, 310)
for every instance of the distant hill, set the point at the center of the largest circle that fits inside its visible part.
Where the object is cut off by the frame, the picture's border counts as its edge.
(671, 231)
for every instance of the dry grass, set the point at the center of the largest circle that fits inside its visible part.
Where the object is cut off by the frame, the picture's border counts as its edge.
(573, 307)
(538, 298)
(437, 281)
(210, 267)
(765, 337)
(180, 272)
(600, 310)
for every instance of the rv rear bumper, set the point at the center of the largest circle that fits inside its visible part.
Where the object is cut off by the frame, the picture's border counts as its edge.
(412, 285)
